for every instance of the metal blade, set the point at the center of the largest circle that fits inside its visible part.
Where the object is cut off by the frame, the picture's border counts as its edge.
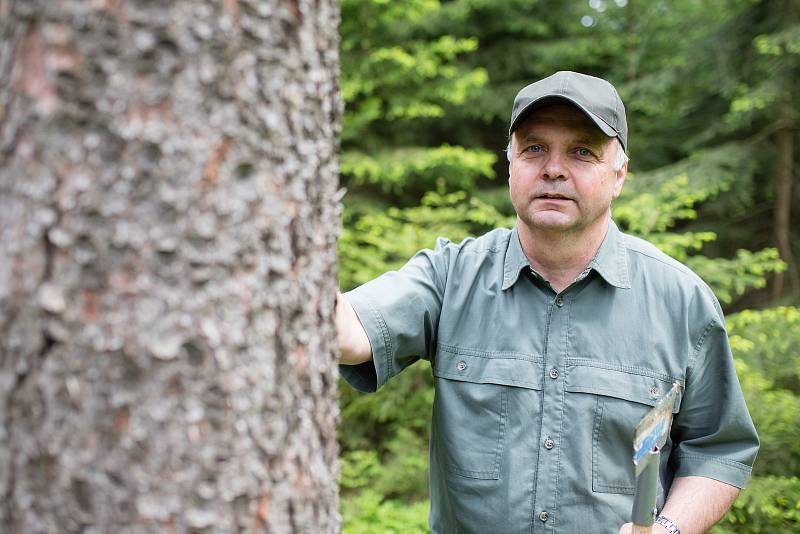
(653, 430)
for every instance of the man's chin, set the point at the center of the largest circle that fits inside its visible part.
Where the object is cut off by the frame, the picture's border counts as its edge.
(552, 221)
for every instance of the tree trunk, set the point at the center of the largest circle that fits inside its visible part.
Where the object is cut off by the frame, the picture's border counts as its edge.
(783, 200)
(168, 219)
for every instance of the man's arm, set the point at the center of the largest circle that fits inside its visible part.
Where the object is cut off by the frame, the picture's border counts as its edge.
(694, 504)
(354, 344)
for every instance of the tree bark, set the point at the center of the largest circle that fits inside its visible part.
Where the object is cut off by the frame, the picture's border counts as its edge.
(783, 200)
(168, 220)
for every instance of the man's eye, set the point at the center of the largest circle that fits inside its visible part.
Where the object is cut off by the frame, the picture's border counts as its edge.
(584, 152)
(534, 148)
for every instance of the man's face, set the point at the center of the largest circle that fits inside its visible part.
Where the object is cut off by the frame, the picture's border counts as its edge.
(561, 176)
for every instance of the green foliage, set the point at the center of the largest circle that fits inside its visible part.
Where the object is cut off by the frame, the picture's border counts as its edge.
(391, 76)
(417, 169)
(368, 513)
(671, 199)
(767, 346)
(769, 341)
(732, 277)
(776, 413)
(681, 245)
(359, 468)
(388, 74)
(383, 240)
(785, 41)
(385, 455)
(769, 504)
(656, 210)
(724, 174)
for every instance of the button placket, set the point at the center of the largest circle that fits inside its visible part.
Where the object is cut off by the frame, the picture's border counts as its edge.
(546, 485)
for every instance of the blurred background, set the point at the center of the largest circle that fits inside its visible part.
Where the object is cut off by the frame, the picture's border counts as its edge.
(711, 93)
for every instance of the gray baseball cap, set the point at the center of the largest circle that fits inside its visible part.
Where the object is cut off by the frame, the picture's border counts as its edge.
(596, 97)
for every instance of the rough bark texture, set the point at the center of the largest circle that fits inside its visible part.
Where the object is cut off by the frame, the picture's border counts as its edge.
(168, 217)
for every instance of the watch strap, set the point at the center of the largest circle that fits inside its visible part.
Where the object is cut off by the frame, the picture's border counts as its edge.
(668, 524)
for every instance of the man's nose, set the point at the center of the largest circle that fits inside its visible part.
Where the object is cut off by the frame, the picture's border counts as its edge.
(555, 167)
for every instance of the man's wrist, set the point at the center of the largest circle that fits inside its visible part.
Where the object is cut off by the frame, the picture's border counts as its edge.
(664, 524)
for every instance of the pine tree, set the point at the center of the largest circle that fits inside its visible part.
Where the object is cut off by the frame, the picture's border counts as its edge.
(168, 218)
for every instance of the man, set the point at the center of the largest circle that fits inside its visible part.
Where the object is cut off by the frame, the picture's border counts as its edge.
(550, 341)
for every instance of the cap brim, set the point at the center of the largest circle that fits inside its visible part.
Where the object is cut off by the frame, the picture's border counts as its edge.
(551, 99)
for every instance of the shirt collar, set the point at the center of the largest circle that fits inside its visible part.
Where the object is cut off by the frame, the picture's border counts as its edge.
(515, 260)
(610, 262)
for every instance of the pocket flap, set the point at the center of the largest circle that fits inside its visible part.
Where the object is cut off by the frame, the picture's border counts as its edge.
(506, 368)
(642, 386)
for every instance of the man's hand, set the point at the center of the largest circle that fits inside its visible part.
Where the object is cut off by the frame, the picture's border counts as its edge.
(354, 344)
(627, 528)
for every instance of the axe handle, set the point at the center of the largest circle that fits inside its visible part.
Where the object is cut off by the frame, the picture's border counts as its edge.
(644, 500)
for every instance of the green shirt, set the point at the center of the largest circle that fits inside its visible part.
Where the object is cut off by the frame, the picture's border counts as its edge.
(538, 393)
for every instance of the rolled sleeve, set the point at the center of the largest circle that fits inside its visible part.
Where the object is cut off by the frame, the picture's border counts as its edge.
(399, 311)
(714, 433)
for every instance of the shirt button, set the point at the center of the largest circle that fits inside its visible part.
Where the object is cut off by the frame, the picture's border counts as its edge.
(543, 516)
(553, 373)
(654, 391)
(461, 365)
(559, 301)
(549, 443)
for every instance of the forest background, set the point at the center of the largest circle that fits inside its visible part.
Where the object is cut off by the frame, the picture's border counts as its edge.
(711, 93)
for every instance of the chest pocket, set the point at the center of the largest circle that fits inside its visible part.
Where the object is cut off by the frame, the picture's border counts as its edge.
(474, 393)
(622, 398)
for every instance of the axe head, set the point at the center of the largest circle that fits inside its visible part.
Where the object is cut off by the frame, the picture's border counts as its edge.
(653, 430)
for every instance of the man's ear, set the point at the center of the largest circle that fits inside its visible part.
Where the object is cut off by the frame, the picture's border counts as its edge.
(510, 154)
(620, 179)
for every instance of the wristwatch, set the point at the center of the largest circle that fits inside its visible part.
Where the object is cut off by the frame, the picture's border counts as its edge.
(667, 523)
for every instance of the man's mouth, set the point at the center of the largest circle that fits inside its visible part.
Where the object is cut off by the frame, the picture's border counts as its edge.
(555, 196)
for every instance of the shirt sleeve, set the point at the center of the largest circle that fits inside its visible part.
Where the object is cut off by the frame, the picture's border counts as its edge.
(400, 314)
(714, 434)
